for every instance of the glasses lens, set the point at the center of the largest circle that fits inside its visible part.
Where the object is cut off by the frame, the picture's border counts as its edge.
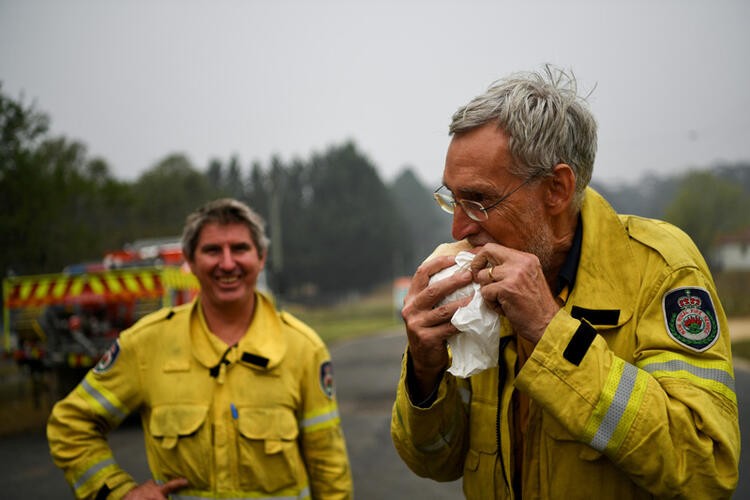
(474, 210)
(445, 202)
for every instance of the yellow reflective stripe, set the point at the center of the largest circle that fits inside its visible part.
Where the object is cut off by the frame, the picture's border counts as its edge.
(617, 408)
(103, 401)
(714, 375)
(59, 289)
(42, 288)
(96, 285)
(25, 290)
(131, 284)
(320, 419)
(100, 468)
(147, 279)
(113, 284)
(77, 286)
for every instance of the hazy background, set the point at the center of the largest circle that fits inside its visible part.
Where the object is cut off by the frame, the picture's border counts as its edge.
(137, 80)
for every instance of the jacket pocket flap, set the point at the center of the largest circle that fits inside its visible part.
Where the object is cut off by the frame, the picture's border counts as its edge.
(176, 420)
(267, 423)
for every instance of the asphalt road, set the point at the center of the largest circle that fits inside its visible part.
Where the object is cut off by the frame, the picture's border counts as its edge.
(366, 373)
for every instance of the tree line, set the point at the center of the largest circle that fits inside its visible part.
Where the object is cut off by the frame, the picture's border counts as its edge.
(336, 228)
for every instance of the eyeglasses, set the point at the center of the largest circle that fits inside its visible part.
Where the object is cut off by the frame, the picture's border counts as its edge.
(475, 210)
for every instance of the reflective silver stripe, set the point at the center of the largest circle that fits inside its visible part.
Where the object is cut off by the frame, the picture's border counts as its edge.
(325, 417)
(106, 404)
(91, 471)
(465, 395)
(616, 409)
(304, 493)
(675, 365)
(442, 441)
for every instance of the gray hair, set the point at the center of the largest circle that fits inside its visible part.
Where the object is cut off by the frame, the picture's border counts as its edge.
(546, 120)
(223, 211)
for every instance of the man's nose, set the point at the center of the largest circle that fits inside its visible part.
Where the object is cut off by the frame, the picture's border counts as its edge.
(463, 225)
(227, 261)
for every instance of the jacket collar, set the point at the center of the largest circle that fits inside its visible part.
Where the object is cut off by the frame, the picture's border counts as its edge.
(262, 347)
(608, 276)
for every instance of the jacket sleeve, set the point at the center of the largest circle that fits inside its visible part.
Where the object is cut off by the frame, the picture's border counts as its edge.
(323, 444)
(667, 414)
(432, 441)
(78, 425)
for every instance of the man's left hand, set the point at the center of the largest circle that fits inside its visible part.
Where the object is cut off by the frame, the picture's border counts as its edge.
(513, 283)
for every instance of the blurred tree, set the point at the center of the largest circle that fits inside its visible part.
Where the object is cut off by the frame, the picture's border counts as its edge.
(22, 129)
(82, 206)
(706, 206)
(232, 182)
(354, 230)
(257, 193)
(166, 193)
(56, 204)
(426, 225)
(215, 173)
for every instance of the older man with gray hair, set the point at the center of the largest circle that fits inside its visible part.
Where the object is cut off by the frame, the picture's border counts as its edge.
(614, 377)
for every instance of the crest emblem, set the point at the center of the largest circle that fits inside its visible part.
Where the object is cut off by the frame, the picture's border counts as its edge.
(108, 359)
(690, 318)
(326, 379)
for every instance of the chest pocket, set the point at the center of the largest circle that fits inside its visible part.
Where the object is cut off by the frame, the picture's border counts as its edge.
(178, 440)
(268, 451)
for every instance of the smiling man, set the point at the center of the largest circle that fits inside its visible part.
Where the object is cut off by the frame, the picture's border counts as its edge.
(236, 399)
(614, 377)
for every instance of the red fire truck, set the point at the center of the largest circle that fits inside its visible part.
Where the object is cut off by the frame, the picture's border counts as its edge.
(59, 325)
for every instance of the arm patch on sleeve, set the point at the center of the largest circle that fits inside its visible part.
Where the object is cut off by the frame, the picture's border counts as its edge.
(690, 317)
(326, 379)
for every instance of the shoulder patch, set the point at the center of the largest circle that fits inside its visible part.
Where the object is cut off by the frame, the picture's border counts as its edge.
(108, 359)
(326, 379)
(691, 318)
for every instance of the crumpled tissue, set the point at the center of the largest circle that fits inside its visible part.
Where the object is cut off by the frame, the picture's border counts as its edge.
(477, 346)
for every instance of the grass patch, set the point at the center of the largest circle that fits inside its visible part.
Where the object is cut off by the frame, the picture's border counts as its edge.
(350, 318)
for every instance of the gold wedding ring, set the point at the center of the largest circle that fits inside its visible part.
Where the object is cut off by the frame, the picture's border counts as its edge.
(489, 271)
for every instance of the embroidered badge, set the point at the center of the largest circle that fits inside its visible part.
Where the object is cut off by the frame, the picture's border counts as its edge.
(690, 317)
(108, 359)
(326, 378)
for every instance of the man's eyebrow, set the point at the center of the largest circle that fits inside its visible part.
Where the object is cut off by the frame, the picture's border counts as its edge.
(473, 191)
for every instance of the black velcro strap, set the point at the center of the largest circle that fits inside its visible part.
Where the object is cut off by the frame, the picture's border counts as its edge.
(596, 316)
(254, 359)
(580, 343)
(103, 493)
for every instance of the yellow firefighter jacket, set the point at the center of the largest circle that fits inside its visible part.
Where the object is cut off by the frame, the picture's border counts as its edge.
(258, 420)
(631, 387)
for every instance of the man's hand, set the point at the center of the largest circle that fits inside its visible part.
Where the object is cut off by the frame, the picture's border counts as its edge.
(152, 491)
(513, 283)
(428, 324)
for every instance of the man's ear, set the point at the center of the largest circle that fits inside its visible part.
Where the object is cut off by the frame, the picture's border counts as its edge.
(561, 188)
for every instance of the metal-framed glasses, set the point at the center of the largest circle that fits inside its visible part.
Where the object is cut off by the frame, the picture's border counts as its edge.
(475, 210)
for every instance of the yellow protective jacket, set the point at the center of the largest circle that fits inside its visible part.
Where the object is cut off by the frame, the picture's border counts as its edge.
(258, 420)
(626, 401)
